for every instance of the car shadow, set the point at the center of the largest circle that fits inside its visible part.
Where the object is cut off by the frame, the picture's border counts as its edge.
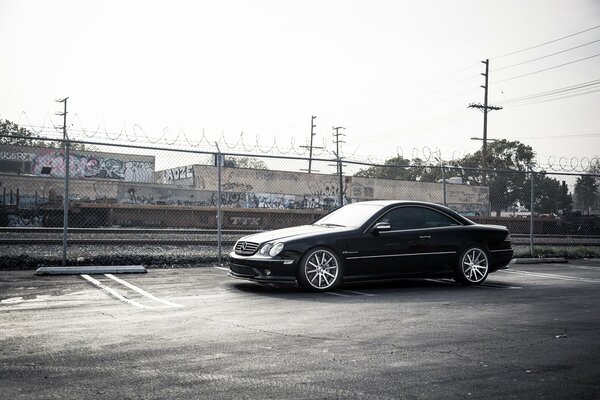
(362, 290)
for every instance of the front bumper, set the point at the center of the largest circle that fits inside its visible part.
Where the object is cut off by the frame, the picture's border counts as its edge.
(262, 269)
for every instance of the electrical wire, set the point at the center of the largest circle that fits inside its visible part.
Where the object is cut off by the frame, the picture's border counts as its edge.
(562, 136)
(555, 92)
(546, 43)
(546, 56)
(547, 69)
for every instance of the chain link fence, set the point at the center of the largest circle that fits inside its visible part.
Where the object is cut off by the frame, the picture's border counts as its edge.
(99, 203)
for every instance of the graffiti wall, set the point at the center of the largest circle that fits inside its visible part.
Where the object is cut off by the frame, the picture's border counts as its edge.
(52, 162)
(295, 190)
(128, 181)
(177, 176)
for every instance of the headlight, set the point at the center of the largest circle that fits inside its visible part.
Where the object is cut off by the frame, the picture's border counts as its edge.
(276, 249)
(271, 249)
(265, 249)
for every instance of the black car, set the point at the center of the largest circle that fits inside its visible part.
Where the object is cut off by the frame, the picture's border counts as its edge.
(374, 240)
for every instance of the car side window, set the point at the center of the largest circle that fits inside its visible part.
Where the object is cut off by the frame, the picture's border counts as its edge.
(404, 218)
(435, 219)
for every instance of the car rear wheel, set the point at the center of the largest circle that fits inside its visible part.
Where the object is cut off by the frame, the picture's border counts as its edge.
(320, 270)
(473, 266)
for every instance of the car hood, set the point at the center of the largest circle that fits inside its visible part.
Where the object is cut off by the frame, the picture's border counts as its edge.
(296, 232)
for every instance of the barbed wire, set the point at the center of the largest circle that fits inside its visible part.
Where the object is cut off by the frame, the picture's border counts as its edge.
(425, 156)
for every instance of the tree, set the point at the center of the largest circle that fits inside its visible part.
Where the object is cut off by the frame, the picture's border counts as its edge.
(586, 189)
(549, 195)
(509, 161)
(25, 137)
(8, 128)
(400, 168)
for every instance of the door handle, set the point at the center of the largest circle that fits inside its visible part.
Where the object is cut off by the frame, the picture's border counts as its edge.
(425, 237)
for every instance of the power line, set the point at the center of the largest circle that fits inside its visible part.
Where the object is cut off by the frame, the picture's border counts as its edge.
(554, 92)
(547, 69)
(566, 96)
(545, 43)
(411, 90)
(562, 136)
(546, 56)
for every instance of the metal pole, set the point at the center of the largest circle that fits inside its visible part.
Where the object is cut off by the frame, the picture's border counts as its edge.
(339, 162)
(444, 183)
(485, 112)
(219, 214)
(66, 202)
(312, 135)
(67, 147)
(531, 217)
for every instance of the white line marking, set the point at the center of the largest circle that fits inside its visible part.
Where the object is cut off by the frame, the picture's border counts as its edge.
(359, 293)
(141, 291)
(337, 294)
(552, 276)
(12, 300)
(223, 268)
(582, 267)
(495, 286)
(113, 292)
(444, 281)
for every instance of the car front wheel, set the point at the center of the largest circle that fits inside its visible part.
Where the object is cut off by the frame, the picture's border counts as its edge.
(473, 266)
(320, 270)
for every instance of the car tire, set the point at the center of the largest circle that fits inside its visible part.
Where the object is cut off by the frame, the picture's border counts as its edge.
(473, 266)
(320, 270)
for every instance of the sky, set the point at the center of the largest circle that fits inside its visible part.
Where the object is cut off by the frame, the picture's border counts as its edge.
(397, 75)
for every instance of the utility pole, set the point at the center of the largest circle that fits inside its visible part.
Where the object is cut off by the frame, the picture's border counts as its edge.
(485, 107)
(64, 115)
(65, 145)
(311, 147)
(338, 156)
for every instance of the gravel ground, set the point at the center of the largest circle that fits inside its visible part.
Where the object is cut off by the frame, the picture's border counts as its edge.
(154, 256)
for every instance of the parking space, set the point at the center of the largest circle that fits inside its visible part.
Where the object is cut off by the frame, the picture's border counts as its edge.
(529, 332)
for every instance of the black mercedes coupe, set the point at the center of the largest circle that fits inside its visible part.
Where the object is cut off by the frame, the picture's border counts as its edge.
(374, 240)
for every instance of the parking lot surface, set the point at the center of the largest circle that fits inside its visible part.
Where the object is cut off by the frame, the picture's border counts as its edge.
(530, 332)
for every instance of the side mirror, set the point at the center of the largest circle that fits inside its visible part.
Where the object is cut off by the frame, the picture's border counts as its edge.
(382, 227)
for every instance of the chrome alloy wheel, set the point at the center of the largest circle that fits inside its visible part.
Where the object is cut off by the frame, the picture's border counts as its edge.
(321, 269)
(474, 265)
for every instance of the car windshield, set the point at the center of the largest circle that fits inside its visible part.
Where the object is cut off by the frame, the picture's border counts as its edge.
(352, 215)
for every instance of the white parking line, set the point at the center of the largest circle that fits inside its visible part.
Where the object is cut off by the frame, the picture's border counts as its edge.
(495, 286)
(337, 294)
(484, 285)
(141, 291)
(223, 268)
(113, 292)
(359, 293)
(351, 293)
(552, 276)
(444, 281)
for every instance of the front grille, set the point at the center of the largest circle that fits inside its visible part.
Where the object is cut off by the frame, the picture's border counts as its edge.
(245, 248)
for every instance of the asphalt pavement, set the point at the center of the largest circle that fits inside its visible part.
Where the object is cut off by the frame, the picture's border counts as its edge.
(529, 332)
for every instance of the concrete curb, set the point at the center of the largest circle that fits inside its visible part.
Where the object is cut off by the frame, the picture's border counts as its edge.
(552, 260)
(91, 270)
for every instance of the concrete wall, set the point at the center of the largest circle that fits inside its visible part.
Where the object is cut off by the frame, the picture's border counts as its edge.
(242, 188)
(263, 187)
(82, 164)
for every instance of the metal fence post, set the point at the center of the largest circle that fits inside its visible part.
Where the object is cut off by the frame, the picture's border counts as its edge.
(532, 207)
(444, 183)
(340, 171)
(219, 212)
(66, 202)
